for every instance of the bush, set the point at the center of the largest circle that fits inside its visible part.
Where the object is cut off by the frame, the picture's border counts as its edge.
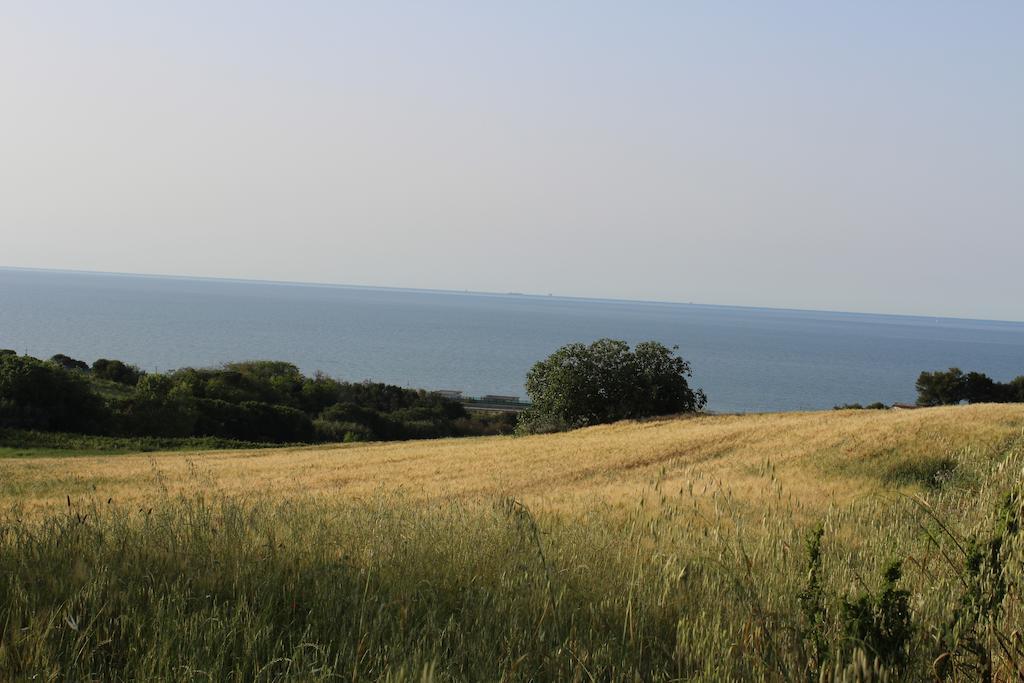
(38, 395)
(116, 371)
(275, 423)
(337, 432)
(69, 363)
(880, 624)
(275, 382)
(485, 423)
(157, 409)
(253, 401)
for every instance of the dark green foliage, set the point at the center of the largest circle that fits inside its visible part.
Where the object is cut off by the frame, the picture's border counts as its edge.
(342, 432)
(320, 392)
(269, 422)
(253, 401)
(812, 603)
(158, 408)
(940, 388)
(38, 395)
(385, 414)
(581, 385)
(486, 423)
(35, 443)
(953, 386)
(274, 382)
(877, 405)
(1015, 390)
(881, 624)
(69, 363)
(980, 388)
(116, 371)
(8, 352)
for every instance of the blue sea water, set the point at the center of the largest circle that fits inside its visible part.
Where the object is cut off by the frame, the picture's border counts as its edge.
(746, 359)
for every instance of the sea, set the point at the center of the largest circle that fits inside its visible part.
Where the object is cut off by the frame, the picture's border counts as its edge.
(745, 359)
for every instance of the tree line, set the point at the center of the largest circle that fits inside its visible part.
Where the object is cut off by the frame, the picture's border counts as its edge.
(273, 402)
(253, 401)
(953, 386)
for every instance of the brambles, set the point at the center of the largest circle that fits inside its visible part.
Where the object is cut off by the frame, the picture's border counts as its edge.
(812, 604)
(881, 624)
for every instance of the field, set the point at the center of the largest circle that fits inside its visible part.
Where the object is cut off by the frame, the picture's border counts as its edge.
(672, 549)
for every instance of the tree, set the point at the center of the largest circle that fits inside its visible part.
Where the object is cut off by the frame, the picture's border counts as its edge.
(953, 386)
(1015, 390)
(663, 388)
(980, 388)
(940, 388)
(581, 385)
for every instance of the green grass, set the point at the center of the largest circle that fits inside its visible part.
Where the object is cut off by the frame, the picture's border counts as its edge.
(19, 443)
(215, 587)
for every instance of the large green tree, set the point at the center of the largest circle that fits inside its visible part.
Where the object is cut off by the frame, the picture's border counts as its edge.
(581, 385)
(940, 388)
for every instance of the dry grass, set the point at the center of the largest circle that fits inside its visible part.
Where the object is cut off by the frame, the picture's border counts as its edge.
(664, 550)
(819, 458)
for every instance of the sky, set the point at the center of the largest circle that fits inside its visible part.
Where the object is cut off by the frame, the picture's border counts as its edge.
(858, 156)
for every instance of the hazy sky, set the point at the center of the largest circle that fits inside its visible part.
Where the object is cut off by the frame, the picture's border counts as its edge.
(860, 156)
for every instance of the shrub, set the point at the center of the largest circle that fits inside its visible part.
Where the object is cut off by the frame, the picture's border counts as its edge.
(157, 408)
(881, 623)
(275, 423)
(336, 432)
(69, 363)
(38, 395)
(116, 371)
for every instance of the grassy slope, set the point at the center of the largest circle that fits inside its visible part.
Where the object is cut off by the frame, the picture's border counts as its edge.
(664, 550)
(31, 444)
(821, 458)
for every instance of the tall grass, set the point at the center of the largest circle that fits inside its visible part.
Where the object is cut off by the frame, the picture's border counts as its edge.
(684, 585)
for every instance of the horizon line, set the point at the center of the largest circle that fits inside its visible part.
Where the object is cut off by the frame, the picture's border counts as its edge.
(433, 290)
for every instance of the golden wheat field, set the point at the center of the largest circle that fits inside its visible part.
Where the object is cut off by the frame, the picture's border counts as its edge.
(857, 545)
(820, 459)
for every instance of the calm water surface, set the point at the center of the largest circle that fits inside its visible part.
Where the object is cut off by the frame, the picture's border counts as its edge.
(746, 359)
